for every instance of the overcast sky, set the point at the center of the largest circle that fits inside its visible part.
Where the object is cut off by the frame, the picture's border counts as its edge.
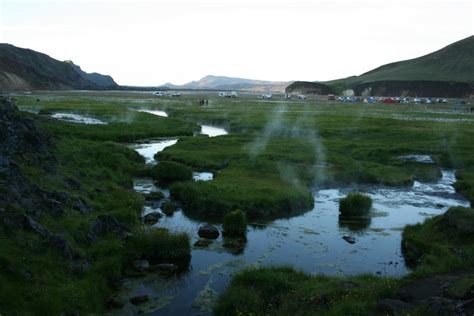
(153, 42)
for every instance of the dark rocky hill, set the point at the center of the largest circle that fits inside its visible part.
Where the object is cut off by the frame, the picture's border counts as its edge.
(309, 88)
(26, 69)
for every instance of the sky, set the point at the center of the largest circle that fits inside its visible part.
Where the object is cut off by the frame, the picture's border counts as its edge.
(149, 43)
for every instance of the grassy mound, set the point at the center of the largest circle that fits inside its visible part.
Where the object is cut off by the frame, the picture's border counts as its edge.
(442, 243)
(167, 172)
(284, 291)
(158, 246)
(355, 204)
(235, 223)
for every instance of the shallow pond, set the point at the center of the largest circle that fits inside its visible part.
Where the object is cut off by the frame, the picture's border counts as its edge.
(212, 131)
(312, 242)
(149, 149)
(77, 118)
(154, 112)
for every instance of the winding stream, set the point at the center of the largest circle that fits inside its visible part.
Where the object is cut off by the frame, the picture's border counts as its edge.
(311, 242)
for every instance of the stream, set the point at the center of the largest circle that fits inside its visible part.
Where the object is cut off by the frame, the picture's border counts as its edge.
(312, 242)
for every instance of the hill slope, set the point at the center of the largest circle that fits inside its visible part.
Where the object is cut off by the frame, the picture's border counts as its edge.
(22, 69)
(453, 63)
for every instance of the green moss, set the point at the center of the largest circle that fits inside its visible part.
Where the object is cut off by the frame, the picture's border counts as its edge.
(235, 223)
(355, 204)
(167, 172)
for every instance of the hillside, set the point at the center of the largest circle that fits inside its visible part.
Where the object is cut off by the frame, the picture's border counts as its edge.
(308, 87)
(453, 63)
(230, 83)
(25, 69)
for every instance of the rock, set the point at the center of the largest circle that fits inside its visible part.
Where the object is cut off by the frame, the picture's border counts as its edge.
(165, 267)
(169, 208)
(441, 305)
(141, 265)
(106, 224)
(61, 245)
(392, 307)
(140, 299)
(208, 231)
(152, 218)
(462, 288)
(113, 303)
(33, 225)
(154, 196)
(349, 239)
(202, 243)
(235, 244)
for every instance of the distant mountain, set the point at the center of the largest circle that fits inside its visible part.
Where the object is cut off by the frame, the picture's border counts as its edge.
(25, 69)
(230, 83)
(446, 72)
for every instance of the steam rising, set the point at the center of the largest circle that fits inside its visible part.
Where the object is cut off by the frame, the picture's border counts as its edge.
(277, 127)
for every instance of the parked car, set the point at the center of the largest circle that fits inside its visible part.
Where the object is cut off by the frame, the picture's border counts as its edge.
(160, 94)
(301, 97)
(176, 94)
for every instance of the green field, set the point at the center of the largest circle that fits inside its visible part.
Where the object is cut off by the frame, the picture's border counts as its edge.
(276, 153)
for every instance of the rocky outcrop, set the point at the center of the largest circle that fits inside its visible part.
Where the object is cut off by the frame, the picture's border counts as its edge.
(22, 144)
(443, 294)
(25, 147)
(308, 87)
(107, 224)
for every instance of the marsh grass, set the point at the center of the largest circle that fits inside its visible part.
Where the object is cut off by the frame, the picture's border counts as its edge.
(355, 204)
(158, 246)
(167, 172)
(284, 291)
(235, 223)
(442, 243)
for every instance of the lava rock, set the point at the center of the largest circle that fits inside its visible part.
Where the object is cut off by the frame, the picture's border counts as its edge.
(169, 207)
(349, 239)
(208, 231)
(152, 218)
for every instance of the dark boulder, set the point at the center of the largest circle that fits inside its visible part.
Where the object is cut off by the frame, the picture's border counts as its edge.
(169, 207)
(152, 218)
(208, 231)
(349, 239)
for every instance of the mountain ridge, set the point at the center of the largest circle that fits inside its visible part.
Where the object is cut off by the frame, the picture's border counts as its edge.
(24, 69)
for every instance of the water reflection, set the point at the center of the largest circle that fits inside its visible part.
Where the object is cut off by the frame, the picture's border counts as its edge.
(354, 224)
